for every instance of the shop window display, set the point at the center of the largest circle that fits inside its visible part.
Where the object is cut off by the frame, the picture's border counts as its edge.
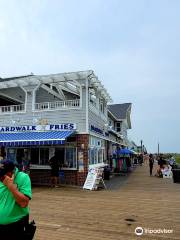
(40, 156)
(67, 156)
(70, 156)
(96, 155)
(96, 150)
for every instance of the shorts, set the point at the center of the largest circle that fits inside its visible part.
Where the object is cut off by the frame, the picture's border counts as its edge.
(54, 172)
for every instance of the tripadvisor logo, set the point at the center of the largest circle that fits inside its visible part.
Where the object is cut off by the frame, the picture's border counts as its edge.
(139, 231)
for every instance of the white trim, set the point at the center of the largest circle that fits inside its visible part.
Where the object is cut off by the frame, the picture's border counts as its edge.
(10, 113)
(12, 107)
(34, 96)
(98, 136)
(87, 106)
(81, 96)
(98, 165)
(59, 109)
(58, 105)
(82, 133)
(46, 167)
(49, 90)
(25, 97)
(32, 140)
(104, 138)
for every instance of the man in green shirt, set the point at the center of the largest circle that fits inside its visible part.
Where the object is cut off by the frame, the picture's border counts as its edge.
(15, 193)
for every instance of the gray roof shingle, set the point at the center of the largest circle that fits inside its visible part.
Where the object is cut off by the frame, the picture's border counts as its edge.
(119, 110)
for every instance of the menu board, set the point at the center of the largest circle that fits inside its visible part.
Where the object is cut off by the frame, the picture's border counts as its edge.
(94, 178)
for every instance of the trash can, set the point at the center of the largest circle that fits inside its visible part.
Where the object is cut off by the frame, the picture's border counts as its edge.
(176, 175)
(107, 171)
(61, 176)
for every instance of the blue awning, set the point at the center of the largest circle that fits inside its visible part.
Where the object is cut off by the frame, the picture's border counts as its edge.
(34, 138)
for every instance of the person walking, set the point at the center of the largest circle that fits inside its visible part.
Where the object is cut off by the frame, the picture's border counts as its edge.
(15, 193)
(151, 163)
(146, 159)
(172, 161)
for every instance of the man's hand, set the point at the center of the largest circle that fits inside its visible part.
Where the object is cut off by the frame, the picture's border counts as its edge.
(9, 182)
(20, 198)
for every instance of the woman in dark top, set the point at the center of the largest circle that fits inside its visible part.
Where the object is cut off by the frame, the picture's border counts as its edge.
(151, 163)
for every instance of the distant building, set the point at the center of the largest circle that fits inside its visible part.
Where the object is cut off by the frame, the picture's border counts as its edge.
(120, 119)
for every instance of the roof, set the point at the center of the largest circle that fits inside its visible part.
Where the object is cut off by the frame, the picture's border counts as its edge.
(14, 78)
(72, 79)
(120, 110)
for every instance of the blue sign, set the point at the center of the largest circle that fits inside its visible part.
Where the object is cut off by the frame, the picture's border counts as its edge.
(97, 130)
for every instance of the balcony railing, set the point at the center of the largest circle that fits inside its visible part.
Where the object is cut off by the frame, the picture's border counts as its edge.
(57, 105)
(12, 108)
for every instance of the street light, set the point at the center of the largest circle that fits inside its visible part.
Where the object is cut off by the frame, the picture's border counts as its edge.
(141, 146)
(158, 149)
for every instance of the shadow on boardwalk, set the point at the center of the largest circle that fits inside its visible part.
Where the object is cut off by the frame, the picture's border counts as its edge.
(72, 213)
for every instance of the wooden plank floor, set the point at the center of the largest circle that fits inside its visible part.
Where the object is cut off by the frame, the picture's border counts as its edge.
(70, 213)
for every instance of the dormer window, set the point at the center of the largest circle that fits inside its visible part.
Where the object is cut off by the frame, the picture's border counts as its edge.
(118, 127)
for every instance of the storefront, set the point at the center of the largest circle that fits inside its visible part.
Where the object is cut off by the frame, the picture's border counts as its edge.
(31, 147)
(65, 113)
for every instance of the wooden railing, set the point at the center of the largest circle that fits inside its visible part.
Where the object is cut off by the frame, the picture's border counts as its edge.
(12, 108)
(57, 105)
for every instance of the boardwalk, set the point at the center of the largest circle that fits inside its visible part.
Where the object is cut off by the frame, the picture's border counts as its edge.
(73, 214)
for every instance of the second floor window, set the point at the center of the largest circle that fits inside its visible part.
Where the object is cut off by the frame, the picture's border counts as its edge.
(118, 127)
(102, 106)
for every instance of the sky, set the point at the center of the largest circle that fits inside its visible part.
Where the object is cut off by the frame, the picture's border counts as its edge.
(133, 46)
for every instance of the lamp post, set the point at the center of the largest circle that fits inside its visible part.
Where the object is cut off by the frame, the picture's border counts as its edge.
(141, 146)
(158, 149)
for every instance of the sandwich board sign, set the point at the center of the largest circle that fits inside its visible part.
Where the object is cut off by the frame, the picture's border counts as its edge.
(94, 178)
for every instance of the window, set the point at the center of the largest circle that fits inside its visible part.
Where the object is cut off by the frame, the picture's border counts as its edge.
(118, 127)
(96, 151)
(44, 156)
(100, 155)
(34, 155)
(92, 156)
(96, 155)
(70, 157)
(39, 156)
(110, 123)
(67, 156)
(11, 154)
(102, 105)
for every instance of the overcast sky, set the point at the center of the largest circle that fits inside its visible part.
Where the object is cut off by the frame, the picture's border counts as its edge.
(133, 47)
